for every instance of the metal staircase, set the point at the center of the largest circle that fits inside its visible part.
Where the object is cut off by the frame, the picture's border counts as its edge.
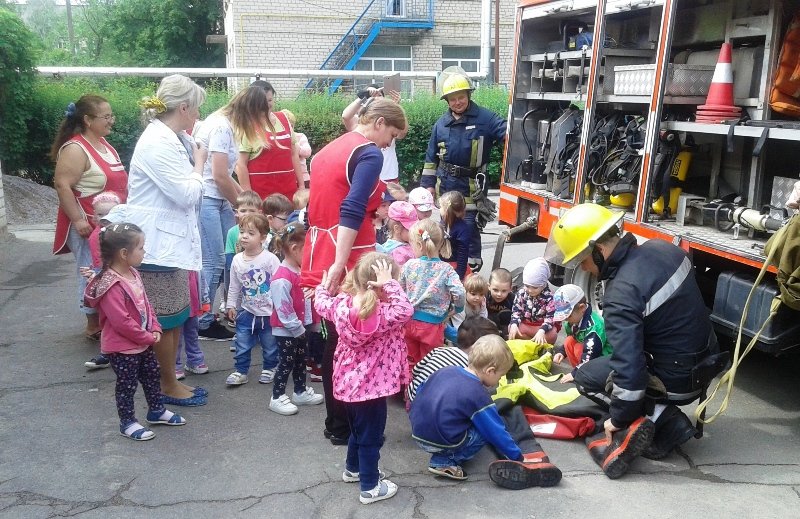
(377, 15)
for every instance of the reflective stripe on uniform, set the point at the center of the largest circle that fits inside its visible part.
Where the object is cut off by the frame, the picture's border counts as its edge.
(670, 287)
(627, 394)
(429, 169)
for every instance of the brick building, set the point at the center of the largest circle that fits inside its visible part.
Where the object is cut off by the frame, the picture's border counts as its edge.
(384, 35)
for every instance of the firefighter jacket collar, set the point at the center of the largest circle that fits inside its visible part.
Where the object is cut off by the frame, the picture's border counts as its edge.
(624, 245)
(472, 111)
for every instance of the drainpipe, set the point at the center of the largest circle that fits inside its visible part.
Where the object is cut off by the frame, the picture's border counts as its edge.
(486, 37)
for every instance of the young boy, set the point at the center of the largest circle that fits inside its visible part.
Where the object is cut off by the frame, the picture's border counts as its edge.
(300, 202)
(476, 288)
(586, 332)
(453, 417)
(532, 315)
(276, 208)
(500, 300)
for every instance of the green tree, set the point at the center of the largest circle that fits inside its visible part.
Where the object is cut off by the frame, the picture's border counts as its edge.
(166, 32)
(18, 52)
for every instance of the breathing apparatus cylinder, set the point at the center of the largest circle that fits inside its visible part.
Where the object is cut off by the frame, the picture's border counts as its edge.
(679, 172)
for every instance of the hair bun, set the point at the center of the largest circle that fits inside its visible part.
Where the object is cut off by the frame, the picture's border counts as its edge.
(70, 111)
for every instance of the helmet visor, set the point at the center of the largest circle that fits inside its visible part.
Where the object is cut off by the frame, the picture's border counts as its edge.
(554, 254)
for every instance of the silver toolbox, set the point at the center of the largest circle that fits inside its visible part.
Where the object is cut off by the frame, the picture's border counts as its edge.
(682, 80)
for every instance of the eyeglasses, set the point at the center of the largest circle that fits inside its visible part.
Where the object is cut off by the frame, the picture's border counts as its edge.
(281, 218)
(108, 118)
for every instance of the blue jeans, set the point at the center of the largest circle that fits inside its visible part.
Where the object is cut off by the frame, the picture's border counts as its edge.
(190, 343)
(249, 331)
(440, 457)
(83, 258)
(216, 217)
(367, 424)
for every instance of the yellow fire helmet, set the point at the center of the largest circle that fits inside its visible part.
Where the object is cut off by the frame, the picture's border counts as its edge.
(575, 233)
(454, 79)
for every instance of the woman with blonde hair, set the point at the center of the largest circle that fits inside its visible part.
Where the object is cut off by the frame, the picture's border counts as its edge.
(221, 133)
(164, 192)
(269, 162)
(343, 199)
(86, 165)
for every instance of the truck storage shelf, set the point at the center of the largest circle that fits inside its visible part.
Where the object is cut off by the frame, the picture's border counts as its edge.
(669, 100)
(576, 54)
(550, 96)
(722, 129)
(711, 237)
(540, 192)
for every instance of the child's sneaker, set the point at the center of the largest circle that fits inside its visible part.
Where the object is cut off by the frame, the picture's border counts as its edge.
(236, 379)
(232, 347)
(100, 361)
(267, 376)
(201, 369)
(383, 490)
(353, 477)
(315, 375)
(307, 397)
(179, 374)
(282, 405)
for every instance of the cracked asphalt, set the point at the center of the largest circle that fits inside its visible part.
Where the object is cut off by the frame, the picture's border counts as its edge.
(61, 454)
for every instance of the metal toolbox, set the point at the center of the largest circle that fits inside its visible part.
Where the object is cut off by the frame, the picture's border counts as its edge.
(682, 80)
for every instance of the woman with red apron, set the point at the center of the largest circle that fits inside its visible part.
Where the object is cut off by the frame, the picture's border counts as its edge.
(86, 165)
(345, 192)
(274, 165)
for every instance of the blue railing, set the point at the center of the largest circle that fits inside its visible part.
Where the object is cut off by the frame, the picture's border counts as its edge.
(377, 15)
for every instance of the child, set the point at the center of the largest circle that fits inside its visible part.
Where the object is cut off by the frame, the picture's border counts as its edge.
(422, 200)
(247, 202)
(249, 302)
(189, 341)
(369, 364)
(476, 288)
(300, 202)
(532, 316)
(102, 204)
(453, 208)
(130, 328)
(381, 220)
(288, 326)
(586, 332)
(432, 287)
(276, 208)
(453, 416)
(303, 147)
(500, 300)
(536, 469)
(397, 191)
(402, 216)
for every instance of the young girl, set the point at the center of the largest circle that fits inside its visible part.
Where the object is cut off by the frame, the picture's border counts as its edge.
(402, 216)
(453, 208)
(370, 362)
(532, 314)
(102, 204)
(130, 328)
(288, 325)
(249, 303)
(432, 286)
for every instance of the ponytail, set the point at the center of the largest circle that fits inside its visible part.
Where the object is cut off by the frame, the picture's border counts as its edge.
(73, 122)
(429, 238)
(357, 281)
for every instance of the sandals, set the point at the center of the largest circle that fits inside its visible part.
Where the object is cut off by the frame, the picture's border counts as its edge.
(451, 472)
(193, 401)
(154, 418)
(141, 434)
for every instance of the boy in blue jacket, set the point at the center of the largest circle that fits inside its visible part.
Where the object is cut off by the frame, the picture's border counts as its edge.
(453, 417)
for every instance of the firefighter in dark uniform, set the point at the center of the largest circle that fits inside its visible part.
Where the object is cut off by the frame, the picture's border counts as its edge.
(665, 349)
(458, 152)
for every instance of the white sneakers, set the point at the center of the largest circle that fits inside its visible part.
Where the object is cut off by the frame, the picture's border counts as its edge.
(307, 397)
(282, 404)
(267, 376)
(384, 490)
(236, 379)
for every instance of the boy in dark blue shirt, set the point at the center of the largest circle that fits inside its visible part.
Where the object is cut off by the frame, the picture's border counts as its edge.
(453, 417)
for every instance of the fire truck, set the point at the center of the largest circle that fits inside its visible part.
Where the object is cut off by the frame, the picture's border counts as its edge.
(603, 105)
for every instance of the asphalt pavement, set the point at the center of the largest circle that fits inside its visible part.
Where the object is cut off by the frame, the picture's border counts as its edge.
(61, 454)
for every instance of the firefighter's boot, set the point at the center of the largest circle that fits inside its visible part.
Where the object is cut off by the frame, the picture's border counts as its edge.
(534, 471)
(615, 458)
(673, 429)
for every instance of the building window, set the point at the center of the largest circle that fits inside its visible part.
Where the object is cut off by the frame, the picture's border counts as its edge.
(388, 59)
(468, 58)
(395, 8)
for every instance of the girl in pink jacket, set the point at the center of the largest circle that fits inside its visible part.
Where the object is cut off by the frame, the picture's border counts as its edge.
(130, 328)
(370, 362)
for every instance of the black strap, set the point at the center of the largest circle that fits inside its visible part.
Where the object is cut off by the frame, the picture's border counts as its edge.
(761, 141)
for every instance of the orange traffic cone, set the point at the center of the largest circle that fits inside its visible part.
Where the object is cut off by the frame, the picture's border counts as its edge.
(719, 103)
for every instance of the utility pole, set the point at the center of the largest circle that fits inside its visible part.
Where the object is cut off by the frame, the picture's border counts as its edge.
(496, 42)
(70, 28)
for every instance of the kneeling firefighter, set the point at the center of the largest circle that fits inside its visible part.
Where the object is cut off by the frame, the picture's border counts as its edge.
(458, 153)
(665, 350)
